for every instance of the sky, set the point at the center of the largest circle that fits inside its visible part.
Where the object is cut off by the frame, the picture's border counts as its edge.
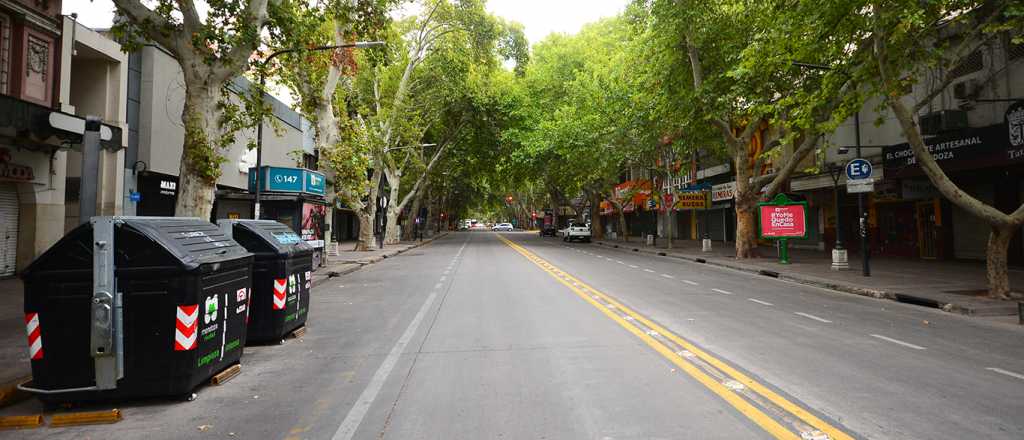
(539, 17)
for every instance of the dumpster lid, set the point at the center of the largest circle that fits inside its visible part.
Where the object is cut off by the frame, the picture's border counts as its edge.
(276, 237)
(190, 242)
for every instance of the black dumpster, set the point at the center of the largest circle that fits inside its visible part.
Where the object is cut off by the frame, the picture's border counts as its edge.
(280, 279)
(135, 306)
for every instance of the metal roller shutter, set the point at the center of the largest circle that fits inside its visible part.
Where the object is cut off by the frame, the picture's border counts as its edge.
(8, 228)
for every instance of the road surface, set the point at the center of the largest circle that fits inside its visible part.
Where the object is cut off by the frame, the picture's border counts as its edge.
(512, 336)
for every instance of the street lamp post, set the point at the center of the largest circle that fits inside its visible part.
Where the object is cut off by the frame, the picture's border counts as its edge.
(840, 260)
(862, 217)
(263, 83)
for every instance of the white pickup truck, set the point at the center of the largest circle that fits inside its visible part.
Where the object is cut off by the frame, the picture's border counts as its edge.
(576, 232)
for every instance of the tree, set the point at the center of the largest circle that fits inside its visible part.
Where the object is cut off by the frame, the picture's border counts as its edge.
(211, 51)
(744, 85)
(321, 80)
(447, 50)
(910, 39)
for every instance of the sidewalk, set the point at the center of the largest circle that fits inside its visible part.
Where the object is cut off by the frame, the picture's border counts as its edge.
(14, 362)
(953, 286)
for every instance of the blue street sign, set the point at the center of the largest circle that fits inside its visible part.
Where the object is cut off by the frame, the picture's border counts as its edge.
(858, 169)
(135, 196)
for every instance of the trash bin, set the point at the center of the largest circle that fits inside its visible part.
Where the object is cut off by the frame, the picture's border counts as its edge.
(125, 307)
(280, 280)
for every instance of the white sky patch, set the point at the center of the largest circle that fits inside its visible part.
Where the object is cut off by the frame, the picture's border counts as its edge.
(542, 17)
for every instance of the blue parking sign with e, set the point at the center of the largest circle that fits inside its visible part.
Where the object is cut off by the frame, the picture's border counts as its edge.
(858, 169)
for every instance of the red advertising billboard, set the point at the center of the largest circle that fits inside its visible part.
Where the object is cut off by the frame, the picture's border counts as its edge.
(783, 221)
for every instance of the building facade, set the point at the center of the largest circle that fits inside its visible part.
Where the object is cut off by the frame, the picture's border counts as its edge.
(42, 112)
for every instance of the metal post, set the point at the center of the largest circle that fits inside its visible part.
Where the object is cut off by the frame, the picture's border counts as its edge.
(865, 251)
(783, 251)
(259, 142)
(89, 183)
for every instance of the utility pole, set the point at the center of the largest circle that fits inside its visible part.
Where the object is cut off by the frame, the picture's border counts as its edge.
(865, 250)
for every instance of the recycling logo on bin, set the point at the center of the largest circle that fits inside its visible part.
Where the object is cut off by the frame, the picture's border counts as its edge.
(211, 310)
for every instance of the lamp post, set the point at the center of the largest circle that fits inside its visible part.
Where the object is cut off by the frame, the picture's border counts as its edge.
(862, 217)
(840, 259)
(263, 83)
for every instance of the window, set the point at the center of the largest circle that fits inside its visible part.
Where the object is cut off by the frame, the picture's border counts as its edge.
(309, 161)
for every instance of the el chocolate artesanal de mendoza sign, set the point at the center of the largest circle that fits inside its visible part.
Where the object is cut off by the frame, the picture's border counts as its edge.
(969, 148)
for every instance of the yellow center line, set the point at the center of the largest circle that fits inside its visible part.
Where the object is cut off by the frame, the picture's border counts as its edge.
(747, 409)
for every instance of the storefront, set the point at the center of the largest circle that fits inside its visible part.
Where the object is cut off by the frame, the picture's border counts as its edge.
(345, 224)
(34, 141)
(158, 194)
(986, 163)
(293, 196)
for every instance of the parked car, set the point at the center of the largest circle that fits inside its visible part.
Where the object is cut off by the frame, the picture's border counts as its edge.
(502, 227)
(548, 230)
(576, 232)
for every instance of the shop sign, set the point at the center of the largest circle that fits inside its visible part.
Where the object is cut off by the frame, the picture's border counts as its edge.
(965, 149)
(295, 180)
(782, 218)
(168, 187)
(690, 200)
(723, 191)
(13, 171)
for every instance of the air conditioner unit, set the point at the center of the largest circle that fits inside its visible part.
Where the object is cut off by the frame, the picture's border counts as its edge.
(942, 121)
(965, 89)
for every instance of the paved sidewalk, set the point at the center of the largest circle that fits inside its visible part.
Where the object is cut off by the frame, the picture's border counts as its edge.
(953, 286)
(14, 362)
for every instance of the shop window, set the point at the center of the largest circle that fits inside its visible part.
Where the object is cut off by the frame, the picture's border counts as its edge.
(969, 64)
(5, 51)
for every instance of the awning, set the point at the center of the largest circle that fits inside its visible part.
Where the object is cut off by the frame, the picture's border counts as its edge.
(32, 125)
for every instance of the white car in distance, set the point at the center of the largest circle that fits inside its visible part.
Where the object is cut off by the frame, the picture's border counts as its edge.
(502, 227)
(576, 232)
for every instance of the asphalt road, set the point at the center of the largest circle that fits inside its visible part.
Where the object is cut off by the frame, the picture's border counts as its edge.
(511, 336)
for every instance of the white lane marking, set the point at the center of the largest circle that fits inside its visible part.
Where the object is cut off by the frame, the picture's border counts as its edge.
(632, 266)
(897, 341)
(724, 292)
(760, 302)
(816, 318)
(355, 415)
(667, 276)
(619, 261)
(446, 272)
(443, 278)
(648, 270)
(1008, 373)
(692, 283)
(438, 285)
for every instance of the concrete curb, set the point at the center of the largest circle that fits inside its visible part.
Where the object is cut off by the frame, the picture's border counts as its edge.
(810, 281)
(359, 264)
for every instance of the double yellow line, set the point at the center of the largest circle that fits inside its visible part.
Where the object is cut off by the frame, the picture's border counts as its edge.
(752, 408)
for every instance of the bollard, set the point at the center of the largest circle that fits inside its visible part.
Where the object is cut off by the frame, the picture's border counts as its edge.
(1020, 313)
